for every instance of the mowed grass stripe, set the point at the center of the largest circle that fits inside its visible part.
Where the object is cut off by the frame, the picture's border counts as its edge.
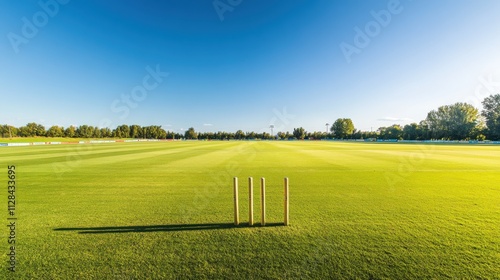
(30, 152)
(402, 188)
(167, 179)
(81, 154)
(111, 219)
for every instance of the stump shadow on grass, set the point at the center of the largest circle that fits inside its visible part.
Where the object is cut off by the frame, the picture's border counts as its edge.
(159, 228)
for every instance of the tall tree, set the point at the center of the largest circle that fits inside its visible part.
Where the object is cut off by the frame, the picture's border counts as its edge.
(11, 131)
(250, 135)
(85, 131)
(40, 130)
(155, 132)
(122, 131)
(191, 134)
(394, 131)
(106, 132)
(135, 131)
(342, 128)
(70, 131)
(424, 133)
(281, 135)
(239, 135)
(55, 131)
(32, 129)
(453, 122)
(162, 133)
(97, 133)
(491, 112)
(410, 131)
(8, 131)
(299, 133)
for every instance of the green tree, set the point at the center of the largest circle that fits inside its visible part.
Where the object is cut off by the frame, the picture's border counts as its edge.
(394, 131)
(423, 131)
(122, 131)
(191, 134)
(479, 132)
(32, 129)
(106, 132)
(155, 132)
(96, 133)
(453, 122)
(491, 113)
(410, 131)
(299, 133)
(239, 135)
(55, 131)
(85, 131)
(8, 131)
(70, 132)
(250, 135)
(342, 128)
(135, 131)
(316, 135)
(40, 130)
(162, 133)
(281, 135)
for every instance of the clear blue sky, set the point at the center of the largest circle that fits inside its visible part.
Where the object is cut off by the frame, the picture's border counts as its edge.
(267, 62)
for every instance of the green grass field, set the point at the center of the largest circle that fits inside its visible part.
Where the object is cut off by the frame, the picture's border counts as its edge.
(47, 139)
(165, 210)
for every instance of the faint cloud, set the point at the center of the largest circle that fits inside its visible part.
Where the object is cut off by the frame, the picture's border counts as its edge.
(208, 124)
(391, 119)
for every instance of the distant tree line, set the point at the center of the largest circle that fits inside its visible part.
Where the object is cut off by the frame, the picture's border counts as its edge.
(88, 131)
(459, 121)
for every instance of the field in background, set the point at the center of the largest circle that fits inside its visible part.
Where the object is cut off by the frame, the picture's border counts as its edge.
(164, 210)
(48, 139)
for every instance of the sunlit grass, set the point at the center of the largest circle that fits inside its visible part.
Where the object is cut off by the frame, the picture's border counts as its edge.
(164, 210)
